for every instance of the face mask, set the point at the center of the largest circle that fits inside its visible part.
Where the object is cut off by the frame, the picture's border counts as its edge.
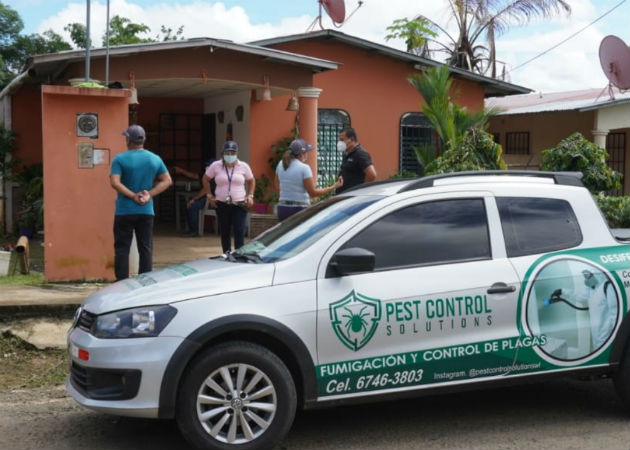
(341, 146)
(229, 158)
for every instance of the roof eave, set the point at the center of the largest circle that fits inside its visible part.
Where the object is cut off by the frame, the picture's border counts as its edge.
(500, 87)
(607, 104)
(315, 64)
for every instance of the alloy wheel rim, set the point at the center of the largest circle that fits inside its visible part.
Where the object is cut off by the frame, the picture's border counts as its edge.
(236, 403)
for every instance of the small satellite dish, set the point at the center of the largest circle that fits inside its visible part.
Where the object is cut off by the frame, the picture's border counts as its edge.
(336, 9)
(614, 56)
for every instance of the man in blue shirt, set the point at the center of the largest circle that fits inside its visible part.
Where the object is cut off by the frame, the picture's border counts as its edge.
(137, 175)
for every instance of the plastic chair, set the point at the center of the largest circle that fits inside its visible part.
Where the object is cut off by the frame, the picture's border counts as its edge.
(207, 210)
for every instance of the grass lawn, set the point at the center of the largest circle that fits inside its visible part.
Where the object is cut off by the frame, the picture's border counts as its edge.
(24, 366)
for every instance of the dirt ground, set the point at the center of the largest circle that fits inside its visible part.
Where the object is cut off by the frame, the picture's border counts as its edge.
(36, 413)
(577, 415)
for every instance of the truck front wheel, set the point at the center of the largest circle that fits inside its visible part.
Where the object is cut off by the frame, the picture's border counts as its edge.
(236, 395)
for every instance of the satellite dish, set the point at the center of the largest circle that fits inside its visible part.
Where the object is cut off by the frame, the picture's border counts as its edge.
(614, 57)
(336, 9)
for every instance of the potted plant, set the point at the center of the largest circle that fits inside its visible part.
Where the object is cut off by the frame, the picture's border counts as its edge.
(264, 195)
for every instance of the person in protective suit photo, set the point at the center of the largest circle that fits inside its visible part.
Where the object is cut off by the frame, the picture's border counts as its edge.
(598, 300)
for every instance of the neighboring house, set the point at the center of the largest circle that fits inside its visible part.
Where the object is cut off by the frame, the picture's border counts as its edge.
(529, 124)
(195, 93)
(370, 92)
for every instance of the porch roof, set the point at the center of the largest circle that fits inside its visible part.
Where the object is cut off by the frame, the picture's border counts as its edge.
(69, 56)
(48, 67)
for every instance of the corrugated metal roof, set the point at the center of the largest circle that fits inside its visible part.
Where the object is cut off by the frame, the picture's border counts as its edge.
(582, 100)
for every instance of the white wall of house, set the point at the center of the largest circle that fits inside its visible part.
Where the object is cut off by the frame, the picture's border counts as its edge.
(613, 117)
(240, 129)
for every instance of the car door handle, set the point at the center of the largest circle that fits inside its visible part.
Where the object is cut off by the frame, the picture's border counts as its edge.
(500, 288)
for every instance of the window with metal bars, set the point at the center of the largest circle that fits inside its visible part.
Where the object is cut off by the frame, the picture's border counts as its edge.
(416, 132)
(517, 143)
(616, 148)
(330, 122)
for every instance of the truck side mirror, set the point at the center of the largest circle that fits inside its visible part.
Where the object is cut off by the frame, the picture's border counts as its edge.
(350, 261)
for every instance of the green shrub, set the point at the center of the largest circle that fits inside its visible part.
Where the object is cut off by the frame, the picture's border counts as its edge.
(616, 210)
(477, 151)
(576, 154)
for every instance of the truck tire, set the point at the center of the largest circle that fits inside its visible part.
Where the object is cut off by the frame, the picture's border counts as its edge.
(236, 396)
(622, 380)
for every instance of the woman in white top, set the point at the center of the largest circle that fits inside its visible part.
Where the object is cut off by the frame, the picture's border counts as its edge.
(296, 180)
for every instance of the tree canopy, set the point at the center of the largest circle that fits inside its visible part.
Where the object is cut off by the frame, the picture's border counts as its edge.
(479, 22)
(16, 47)
(123, 31)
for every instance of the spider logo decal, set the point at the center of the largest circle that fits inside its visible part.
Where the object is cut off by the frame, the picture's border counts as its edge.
(354, 319)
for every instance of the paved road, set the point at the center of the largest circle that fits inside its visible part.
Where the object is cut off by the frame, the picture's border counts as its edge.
(567, 414)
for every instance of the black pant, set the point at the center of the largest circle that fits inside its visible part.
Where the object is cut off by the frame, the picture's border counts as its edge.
(124, 227)
(231, 219)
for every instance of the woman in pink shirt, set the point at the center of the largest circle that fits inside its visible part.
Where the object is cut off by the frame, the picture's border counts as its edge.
(233, 195)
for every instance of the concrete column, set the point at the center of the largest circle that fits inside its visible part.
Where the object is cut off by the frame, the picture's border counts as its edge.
(599, 137)
(307, 122)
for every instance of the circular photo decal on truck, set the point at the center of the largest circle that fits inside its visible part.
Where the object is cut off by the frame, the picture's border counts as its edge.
(575, 304)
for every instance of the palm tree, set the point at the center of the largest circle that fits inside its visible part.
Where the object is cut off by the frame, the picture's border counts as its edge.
(478, 19)
(451, 121)
(467, 145)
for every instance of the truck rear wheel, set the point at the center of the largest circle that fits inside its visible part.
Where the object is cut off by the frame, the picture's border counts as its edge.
(622, 380)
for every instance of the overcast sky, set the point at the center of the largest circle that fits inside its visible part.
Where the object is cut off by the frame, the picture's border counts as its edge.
(573, 65)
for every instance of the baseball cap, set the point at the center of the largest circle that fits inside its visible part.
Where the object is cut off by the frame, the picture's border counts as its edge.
(231, 146)
(135, 133)
(299, 146)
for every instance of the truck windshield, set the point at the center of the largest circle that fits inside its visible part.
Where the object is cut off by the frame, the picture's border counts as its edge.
(301, 230)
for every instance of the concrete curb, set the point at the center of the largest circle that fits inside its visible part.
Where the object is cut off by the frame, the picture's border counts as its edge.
(10, 313)
(48, 300)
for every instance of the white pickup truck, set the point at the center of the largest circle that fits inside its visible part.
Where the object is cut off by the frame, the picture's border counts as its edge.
(392, 289)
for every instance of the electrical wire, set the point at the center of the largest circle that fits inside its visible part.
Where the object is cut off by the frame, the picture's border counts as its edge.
(570, 37)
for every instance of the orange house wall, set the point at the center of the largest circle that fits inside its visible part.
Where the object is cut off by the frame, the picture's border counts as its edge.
(374, 90)
(79, 212)
(269, 122)
(26, 119)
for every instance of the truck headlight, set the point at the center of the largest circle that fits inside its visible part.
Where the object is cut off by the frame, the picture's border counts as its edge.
(148, 321)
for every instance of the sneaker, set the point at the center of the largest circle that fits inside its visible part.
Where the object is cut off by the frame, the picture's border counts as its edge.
(191, 234)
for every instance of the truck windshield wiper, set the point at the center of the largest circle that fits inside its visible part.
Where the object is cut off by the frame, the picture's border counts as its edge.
(247, 257)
